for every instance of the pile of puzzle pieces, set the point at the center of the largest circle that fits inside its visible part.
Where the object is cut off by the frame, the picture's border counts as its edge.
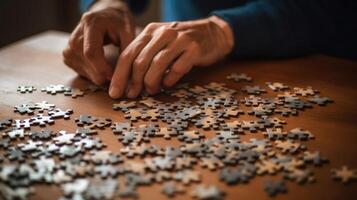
(207, 122)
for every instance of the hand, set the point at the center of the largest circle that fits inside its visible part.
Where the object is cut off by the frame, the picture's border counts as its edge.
(107, 22)
(164, 52)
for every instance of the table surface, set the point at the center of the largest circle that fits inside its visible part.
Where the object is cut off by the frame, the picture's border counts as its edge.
(37, 61)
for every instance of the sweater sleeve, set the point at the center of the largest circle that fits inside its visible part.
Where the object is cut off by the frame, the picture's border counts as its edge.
(278, 28)
(136, 6)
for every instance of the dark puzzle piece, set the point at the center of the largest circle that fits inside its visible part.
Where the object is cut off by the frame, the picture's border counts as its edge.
(170, 189)
(84, 120)
(314, 158)
(25, 89)
(84, 132)
(103, 157)
(321, 101)
(4, 123)
(10, 193)
(239, 77)
(16, 154)
(253, 90)
(274, 188)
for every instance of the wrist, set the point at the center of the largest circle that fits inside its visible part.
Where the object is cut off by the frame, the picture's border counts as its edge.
(113, 4)
(226, 28)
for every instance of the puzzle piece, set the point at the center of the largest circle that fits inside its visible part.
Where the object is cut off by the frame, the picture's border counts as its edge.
(25, 89)
(314, 158)
(42, 120)
(253, 90)
(308, 91)
(166, 132)
(103, 157)
(25, 109)
(5, 123)
(207, 192)
(344, 174)
(124, 105)
(276, 86)
(190, 136)
(187, 176)
(22, 124)
(321, 101)
(74, 92)
(44, 105)
(58, 113)
(100, 189)
(119, 127)
(239, 77)
(84, 120)
(274, 188)
(301, 134)
(10, 193)
(170, 189)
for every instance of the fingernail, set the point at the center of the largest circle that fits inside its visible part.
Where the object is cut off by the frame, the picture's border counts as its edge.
(114, 92)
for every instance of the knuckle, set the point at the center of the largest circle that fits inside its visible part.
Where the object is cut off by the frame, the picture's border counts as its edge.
(66, 53)
(87, 16)
(185, 36)
(151, 26)
(169, 32)
(125, 54)
(139, 64)
(158, 61)
(178, 70)
(194, 45)
(89, 52)
(72, 43)
(68, 63)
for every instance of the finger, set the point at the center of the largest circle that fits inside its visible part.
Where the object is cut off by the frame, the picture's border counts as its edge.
(73, 62)
(76, 53)
(126, 35)
(160, 64)
(94, 53)
(87, 67)
(73, 41)
(182, 66)
(123, 67)
(145, 57)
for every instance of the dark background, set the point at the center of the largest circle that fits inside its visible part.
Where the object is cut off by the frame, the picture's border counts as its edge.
(23, 18)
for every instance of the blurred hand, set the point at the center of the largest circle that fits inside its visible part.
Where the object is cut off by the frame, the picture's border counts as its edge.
(107, 22)
(164, 52)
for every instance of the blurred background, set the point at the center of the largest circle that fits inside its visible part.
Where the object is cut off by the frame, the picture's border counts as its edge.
(22, 18)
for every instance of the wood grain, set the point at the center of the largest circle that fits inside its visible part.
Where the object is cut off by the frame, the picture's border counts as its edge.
(37, 61)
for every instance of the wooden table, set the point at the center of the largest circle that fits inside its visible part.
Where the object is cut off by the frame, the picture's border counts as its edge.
(37, 61)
